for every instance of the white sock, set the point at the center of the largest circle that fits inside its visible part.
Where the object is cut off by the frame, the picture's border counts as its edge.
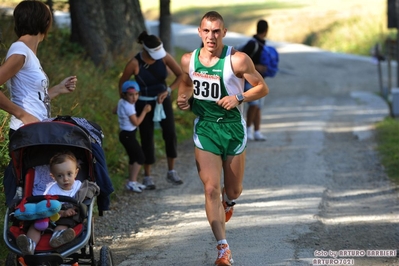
(171, 171)
(228, 201)
(222, 242)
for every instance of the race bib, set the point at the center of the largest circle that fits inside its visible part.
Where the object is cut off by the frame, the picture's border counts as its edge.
(207, 87)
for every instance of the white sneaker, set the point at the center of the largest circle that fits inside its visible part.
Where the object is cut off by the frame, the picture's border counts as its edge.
(132, 186)
(258, 136)
(250, 133)
(140, 186)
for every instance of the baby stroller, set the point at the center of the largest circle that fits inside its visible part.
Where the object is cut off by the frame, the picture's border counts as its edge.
(31, 148)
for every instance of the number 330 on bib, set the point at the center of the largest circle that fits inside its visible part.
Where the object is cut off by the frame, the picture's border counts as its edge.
(207, 89)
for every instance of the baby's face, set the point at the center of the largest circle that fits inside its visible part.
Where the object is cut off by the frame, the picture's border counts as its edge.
(65, 174)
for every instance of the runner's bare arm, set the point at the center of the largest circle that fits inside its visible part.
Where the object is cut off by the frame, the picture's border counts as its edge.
(244, 67)
(186, 85)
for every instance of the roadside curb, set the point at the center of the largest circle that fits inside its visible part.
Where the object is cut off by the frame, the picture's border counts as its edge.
(374, 109)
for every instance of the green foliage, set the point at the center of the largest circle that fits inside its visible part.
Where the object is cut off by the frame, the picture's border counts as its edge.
(66, 49)
(4, 160)
(354, 35)
(388, 139)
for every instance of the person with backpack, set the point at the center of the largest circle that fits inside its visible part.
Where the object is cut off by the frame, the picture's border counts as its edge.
(265, 59)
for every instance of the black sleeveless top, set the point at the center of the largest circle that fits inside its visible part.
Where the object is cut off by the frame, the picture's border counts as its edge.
(151, 78)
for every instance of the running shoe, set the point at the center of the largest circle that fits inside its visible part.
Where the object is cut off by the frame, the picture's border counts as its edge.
(148, 183)
(26, 245)
(224, 256)
(174, 178)
(62, 237)
(258, 136)
(141, 186)
(134, 186)
(228, 208)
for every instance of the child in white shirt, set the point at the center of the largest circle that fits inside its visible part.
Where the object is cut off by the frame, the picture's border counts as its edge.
(128, 123)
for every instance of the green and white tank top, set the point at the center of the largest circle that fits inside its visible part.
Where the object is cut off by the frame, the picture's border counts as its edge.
(213, 83)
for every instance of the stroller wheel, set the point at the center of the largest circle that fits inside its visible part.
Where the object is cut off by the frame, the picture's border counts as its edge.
(105, 257)
(11, 260)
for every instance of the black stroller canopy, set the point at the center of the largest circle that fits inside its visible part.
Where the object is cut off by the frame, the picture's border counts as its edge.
(49, 133)
(34, 144)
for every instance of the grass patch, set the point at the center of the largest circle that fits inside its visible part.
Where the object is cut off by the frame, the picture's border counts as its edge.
(4, 159)
(388, 139)
(339, 36)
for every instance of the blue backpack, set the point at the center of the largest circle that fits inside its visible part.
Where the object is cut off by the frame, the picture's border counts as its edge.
(269, 57)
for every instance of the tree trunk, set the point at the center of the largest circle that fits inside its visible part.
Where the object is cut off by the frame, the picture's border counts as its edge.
(51, 6)
(91, 30)
(107, 29)
(124, 24)
(165, 25)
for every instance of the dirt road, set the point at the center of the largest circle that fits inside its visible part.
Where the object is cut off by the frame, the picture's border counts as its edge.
(315, 187)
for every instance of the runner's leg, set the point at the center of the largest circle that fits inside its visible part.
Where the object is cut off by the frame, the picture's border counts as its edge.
(209, 168)
(233, 169)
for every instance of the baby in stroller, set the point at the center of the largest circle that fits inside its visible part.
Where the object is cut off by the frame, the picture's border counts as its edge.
(33, 148)
(64, 169)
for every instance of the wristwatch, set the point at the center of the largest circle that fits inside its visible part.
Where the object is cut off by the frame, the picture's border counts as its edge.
(240, 98)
